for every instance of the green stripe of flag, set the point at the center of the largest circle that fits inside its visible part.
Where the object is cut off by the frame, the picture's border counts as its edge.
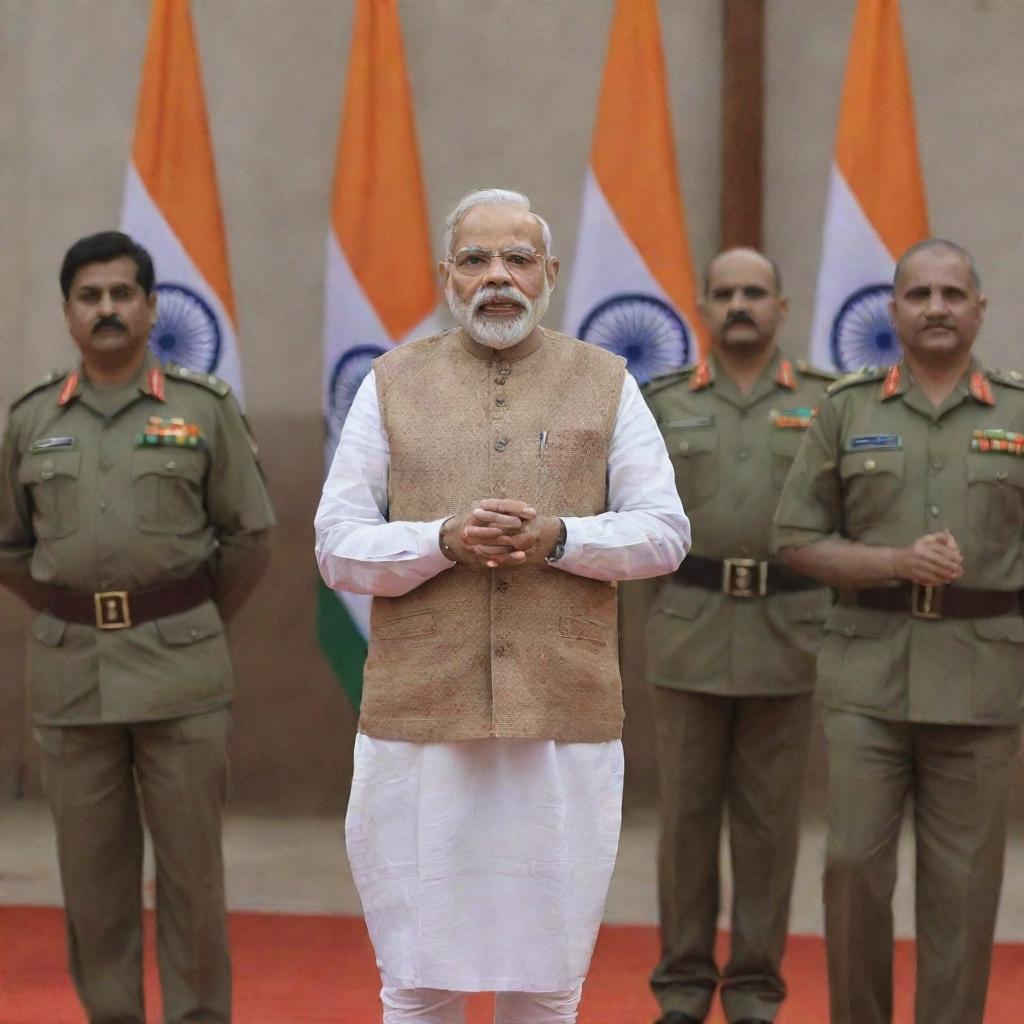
(343, 644)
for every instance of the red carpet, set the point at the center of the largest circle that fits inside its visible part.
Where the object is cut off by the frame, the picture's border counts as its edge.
(320, 970)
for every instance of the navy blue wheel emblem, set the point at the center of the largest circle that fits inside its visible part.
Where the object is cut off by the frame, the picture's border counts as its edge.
(862, 333)
(186, 331)
(646, 331)
(346, 377)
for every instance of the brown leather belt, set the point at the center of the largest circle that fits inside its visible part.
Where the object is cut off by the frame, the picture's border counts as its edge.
(119, 609)
(740, 577)
(938, 602)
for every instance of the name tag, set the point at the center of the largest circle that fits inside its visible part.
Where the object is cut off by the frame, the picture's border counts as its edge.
(49, 444)
(874, 442)
(693, 421)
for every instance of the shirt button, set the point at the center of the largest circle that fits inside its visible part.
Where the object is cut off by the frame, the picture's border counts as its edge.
(193, 633)
(105, 464)
(933, 511)
(870, 464)
(103, 506)
(684, 446)
(500, 445)
(1001, 475)
(743, 453)
(171, 464)
(936, 463)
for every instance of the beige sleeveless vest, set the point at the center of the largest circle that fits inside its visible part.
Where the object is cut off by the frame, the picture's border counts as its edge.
(525, 652)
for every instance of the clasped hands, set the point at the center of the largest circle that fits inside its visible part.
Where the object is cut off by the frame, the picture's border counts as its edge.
(931, 560)
(499, 533)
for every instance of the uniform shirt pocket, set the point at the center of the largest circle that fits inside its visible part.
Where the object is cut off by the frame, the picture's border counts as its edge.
(189, 627)
(997, 683)
(694, 454)
(51, 479)
(872, 481)
(784, 445)
(995, 497)
(169, 494)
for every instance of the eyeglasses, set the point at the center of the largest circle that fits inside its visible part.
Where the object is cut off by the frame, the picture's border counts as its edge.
(519, 262)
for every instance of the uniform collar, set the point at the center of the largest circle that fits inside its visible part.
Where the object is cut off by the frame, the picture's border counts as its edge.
(149, 381)
(974, 384)
(779, 373)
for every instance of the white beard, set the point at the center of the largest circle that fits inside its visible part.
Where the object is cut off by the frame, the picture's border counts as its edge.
(498, 334)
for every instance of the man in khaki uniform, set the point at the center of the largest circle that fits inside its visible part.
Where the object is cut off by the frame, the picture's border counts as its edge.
(908, 498)
(133, 516)
(731, 646)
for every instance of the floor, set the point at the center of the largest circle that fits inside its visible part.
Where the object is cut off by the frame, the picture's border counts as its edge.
(298, 865)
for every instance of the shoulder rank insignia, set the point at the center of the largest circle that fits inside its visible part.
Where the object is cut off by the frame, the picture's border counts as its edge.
(205, 380)
(656, 384)
(793, 419)
(701, 377)
(51, 378)
(1011, 378)
(163, 432)
(784, 375)
(862, 376)
(998, 441)
(808, 370)
(980, 389)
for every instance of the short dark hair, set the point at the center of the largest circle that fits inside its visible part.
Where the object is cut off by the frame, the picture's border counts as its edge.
(102, 248)
(776, 273)
(939, 243)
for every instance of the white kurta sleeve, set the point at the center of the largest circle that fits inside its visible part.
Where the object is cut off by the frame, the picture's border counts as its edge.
(357, 549)
(645, 531)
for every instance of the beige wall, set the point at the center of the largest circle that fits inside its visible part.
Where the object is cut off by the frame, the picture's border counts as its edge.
(504, 94)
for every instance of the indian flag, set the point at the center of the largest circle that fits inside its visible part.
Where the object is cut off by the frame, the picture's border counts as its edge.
(171, 204)
(632, 288)
(876, 201)
(380, 288)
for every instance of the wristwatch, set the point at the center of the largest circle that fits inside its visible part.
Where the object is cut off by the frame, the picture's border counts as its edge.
(559, 549)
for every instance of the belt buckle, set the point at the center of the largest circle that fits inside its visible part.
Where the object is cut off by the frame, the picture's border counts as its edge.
(744, 577)
(112, 609)
(926, 600)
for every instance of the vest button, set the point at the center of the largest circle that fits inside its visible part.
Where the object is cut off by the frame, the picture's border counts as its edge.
(499, 380)
(499, 401)
(500, 445)
(500, 651)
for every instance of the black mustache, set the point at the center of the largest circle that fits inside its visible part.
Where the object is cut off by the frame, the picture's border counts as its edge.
(739, 318)
(107, 321)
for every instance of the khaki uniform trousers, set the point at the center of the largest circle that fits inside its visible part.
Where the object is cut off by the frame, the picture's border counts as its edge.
(93, 776)
(747, 754)
(960, 778)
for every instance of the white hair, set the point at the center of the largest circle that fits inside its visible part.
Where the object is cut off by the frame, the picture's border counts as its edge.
(492, 197)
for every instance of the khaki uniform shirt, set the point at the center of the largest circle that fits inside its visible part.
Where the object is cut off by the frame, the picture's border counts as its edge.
(87, 504)
(882, 466)
(731, 453)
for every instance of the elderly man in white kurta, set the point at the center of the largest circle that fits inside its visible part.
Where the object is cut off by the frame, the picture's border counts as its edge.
(490, 486)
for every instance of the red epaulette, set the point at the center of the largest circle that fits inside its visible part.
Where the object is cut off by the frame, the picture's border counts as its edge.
(701, 377)
(784, 376)
(69, 389)
(156, 383)
(980, 388)
(892, 381)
